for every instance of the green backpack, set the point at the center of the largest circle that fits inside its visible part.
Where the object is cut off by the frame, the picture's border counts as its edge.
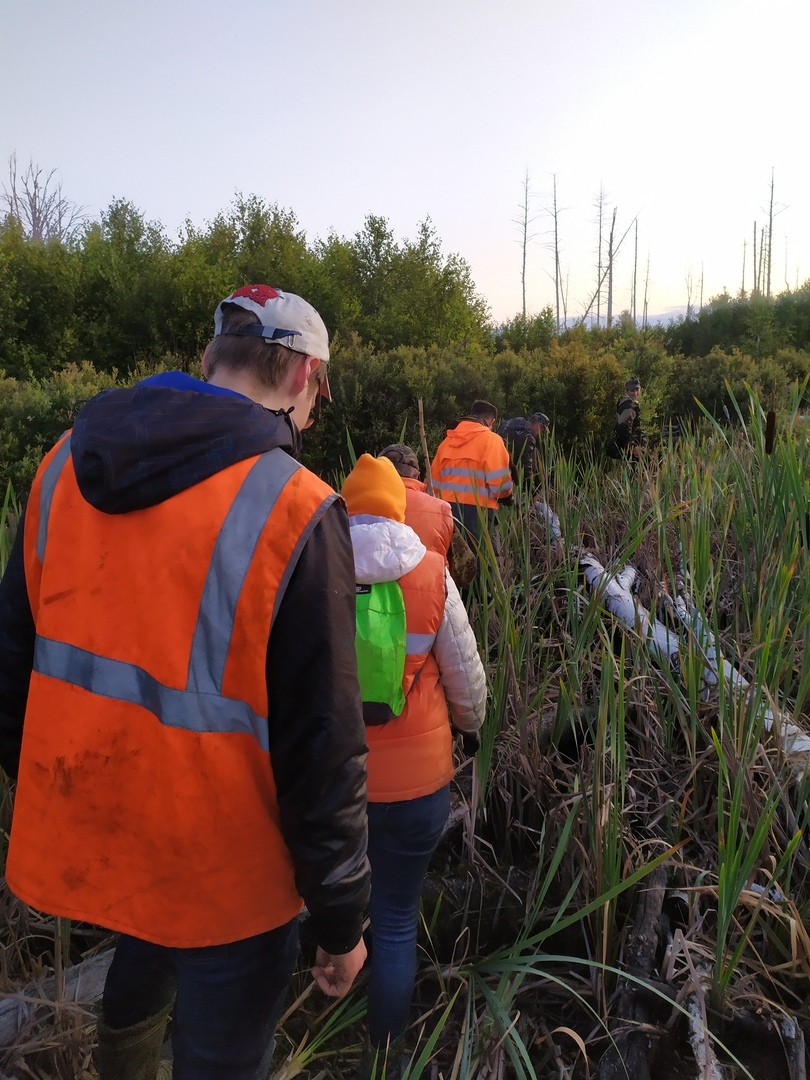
(380, 641)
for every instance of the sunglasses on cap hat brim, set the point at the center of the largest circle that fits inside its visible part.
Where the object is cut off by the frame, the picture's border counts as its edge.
(324, 394)
(322, 375)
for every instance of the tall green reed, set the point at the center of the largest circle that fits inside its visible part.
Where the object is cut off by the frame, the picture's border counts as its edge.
(742, 842)
(9, 516)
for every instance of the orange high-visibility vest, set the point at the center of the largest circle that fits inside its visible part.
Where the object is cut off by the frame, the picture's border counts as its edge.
(146, 801)
(411, 755)
(428, 516)
(471, 466)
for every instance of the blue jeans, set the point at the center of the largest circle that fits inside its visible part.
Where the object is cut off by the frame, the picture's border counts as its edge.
(228, 999)
(402, 837)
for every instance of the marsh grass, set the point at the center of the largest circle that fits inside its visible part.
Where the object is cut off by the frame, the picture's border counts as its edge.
(9, 516)
(599, 763)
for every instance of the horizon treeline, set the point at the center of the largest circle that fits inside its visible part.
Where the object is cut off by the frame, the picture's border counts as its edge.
(117, 299)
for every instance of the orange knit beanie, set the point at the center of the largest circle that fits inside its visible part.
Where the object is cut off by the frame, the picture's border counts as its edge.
(375, 487)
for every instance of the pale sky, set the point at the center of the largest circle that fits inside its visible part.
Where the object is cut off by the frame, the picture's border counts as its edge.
(678, 109)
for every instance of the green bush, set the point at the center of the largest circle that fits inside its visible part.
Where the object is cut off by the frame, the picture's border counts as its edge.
(35, 413)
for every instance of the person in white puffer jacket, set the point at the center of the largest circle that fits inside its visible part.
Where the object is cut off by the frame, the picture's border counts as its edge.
(410, 762)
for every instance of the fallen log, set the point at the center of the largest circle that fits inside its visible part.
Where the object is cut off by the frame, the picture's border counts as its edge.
(795, 1052)
(708, 1067)
(614, 587)
(83, 984)
(793, 740)
(628, 1057)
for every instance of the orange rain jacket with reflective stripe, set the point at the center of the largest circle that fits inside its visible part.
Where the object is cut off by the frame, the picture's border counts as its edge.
(429, 517)
(134, 721)
(411, 755)
(471, 466)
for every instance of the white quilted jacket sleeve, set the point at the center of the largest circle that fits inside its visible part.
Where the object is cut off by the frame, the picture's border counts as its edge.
(460, 669)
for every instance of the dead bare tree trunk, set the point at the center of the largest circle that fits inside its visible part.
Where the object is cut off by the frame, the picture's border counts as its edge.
(600, 207)
(770, 235)
(700, 306)
(635, 273)
(524, 222)
(556, 255)
(610, 271)
(761, 270)
(615, 252)
(756, 281)
(646, 285)
(689, 293)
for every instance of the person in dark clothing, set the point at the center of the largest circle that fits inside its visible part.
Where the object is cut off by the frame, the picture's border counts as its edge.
(179, 698)
(520, 435)
(629, 436)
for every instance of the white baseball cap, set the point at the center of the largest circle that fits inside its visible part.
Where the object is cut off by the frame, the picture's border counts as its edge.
(285, 319)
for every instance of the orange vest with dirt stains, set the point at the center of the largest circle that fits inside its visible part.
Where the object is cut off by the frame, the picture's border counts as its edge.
(429, 517)
(412, 754)
(145, 800)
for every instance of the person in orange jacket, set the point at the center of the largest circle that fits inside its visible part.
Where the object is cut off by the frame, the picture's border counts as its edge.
(179, 697)
(471, 469)
(410, 759)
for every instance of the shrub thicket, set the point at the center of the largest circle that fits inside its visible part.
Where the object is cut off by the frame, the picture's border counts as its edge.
(406, 323)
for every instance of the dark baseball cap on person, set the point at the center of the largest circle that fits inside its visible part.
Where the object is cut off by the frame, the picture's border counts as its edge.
(400, 455)
(632, 384)
(540, 418)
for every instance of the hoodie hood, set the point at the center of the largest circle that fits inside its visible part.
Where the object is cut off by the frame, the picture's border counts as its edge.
(467, 433)
(138, 446)
(384, 550)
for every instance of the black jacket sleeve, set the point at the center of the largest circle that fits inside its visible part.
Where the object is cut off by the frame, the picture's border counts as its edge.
(17, 636)
(317, 735)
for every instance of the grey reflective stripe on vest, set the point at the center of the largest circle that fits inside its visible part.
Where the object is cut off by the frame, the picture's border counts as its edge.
(233, 553)
(201, 706)
(52, 473)
(126, 682)
(419, 644)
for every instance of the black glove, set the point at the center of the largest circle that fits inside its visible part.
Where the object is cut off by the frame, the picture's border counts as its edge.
(470, 742)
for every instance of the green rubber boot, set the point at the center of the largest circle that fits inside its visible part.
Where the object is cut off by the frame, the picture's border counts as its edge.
(133, 1053)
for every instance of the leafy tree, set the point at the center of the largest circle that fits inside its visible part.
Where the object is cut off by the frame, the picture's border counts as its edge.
(38, 282)
(34, 413)
(401, 294)
(125, 293)
(525, 332)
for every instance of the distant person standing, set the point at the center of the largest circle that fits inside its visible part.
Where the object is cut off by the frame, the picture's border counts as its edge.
(629, 436)
(520, 435)
(471, 468)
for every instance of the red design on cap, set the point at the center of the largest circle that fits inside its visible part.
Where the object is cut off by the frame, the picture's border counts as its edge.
(259, 294)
